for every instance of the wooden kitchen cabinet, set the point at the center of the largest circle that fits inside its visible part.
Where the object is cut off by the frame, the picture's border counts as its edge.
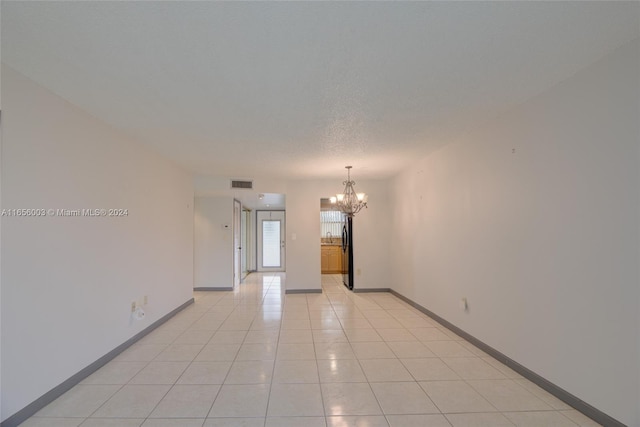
(324, 260)
(331, 259)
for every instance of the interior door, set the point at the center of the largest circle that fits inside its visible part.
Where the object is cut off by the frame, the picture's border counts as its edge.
(271, 240)
(237, 247)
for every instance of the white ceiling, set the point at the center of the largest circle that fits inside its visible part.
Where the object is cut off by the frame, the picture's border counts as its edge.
(261, 201)
(300, 89)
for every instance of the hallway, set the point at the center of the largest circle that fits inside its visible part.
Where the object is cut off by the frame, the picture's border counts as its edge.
(257, 357)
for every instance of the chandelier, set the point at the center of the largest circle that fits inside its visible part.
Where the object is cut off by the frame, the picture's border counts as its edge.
(349, 201)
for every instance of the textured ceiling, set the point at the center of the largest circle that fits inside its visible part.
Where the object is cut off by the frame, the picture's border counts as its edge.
(300, 89)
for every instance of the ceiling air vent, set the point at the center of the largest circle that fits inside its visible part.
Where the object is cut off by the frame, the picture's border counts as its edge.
(241, 184)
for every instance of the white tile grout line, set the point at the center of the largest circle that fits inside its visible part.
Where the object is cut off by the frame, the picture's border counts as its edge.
(339, 299)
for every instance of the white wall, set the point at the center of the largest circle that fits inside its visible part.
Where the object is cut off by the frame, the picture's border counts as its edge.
(68, 282)
(371, 233)
(216, 186)
(543, 242)
(0, 231)
(213, 245)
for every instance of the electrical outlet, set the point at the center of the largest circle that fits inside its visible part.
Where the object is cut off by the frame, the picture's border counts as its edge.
(464, 306)
(358, 272)
(146, 300)
(133, 306)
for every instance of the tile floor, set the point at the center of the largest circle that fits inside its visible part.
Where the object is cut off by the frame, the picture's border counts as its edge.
(255, 357)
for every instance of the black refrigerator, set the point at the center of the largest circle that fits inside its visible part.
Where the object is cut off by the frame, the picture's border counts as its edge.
(347, 251)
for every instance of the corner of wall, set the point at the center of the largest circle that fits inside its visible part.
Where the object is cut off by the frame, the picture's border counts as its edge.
(530, 214)
(55, 156)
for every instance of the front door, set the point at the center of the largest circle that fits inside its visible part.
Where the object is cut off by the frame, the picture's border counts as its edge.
(271, 240)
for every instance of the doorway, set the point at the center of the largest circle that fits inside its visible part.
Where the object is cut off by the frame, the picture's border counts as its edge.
(271, 240)
(246, 242)
(237, 246)
(331, 242)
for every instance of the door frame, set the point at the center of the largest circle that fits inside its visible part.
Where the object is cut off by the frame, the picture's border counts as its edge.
(283, 251)
(237, 242)
(246, 242)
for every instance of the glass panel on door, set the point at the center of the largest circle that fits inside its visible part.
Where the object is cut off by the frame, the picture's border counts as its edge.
(271, 243)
